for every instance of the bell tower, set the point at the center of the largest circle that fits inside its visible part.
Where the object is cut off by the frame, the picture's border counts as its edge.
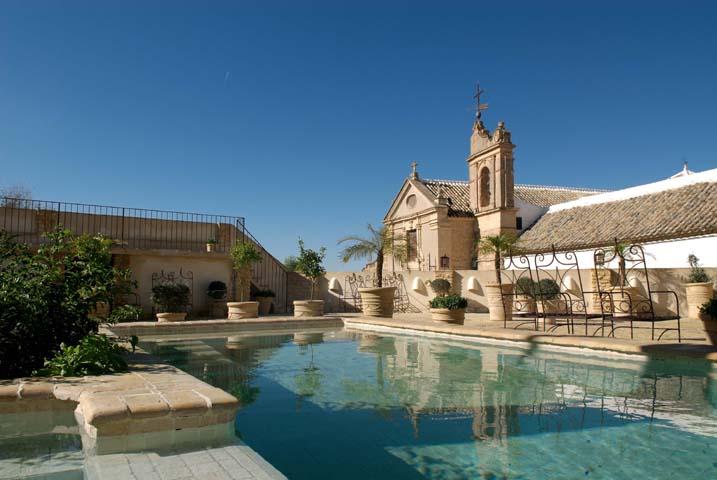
(491, 180)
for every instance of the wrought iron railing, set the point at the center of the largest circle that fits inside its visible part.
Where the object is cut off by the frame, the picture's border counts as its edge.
(133, 228)
(141, 229)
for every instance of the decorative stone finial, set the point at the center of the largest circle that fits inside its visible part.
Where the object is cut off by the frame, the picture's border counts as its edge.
(414, 171)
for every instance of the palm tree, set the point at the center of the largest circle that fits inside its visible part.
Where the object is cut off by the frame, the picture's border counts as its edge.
(380, 243)
(623, 251)
(498, 246)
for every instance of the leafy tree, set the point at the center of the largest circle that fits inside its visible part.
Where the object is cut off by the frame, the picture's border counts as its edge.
(309, 263)
(46, 296)
(498, 246)
(243, 255)
(290, 263)
(380, 243)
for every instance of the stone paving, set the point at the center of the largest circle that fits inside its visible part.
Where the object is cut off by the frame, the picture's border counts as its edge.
(233, 462)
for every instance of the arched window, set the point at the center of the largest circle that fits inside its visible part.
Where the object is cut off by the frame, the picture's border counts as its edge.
(485, 187)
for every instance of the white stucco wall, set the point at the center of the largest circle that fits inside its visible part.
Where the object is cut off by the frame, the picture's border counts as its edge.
(668, 254)
(528, 212)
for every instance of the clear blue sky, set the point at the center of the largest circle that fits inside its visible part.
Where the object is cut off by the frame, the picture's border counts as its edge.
(304, 116)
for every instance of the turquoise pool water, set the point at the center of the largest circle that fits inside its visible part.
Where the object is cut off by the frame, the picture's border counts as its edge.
(355, 406)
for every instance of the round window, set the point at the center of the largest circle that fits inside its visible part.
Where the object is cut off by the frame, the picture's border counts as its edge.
(411, 201)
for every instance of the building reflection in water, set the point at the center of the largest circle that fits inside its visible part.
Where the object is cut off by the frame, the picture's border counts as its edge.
(492, 394)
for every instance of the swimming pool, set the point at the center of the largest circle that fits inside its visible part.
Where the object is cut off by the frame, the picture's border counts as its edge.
(349, 405)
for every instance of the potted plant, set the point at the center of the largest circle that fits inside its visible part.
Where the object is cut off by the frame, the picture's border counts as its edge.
(376, 301)
(524, 301)
(708, 315)
(309, 263)
(624, 296)
(217, 293)
(698, 286)
(499, 302)
(265, 297)
(211, 245)
(243, 255)
(547, 296)
(170, 300)
(445, 307)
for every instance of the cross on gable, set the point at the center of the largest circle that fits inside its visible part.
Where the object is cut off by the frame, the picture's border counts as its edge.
(414, 172)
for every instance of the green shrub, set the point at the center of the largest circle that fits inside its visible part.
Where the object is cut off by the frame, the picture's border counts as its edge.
(697, 273)
(525, 286)
(217, 290)
(170, 297)
(94, 355)
(265, 293)
(451, 302)
(441, 286)
(46, 296)
(709, 308)
(125, 313)
(547, 289)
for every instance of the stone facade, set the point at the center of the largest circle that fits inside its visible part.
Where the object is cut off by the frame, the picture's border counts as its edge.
(446, 231)
(151, 247)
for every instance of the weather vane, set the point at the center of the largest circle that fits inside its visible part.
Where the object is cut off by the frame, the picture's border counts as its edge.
(480, 107)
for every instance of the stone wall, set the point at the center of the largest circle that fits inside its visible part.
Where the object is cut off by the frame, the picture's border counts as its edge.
(204, 268)
(471, 284)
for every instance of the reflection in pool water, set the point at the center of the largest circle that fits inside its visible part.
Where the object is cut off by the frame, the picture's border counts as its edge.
(349, 405)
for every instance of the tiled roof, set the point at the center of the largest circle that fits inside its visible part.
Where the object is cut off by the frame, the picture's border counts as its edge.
(457, 192)
(682, 212)
(545, 196)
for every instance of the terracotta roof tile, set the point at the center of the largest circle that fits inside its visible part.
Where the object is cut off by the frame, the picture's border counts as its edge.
(458, 194)
(677, 213)
(544, 196)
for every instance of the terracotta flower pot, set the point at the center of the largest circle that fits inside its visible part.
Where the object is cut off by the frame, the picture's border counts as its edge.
(697, 295)
(710, 326)
(524, 304)
(377, 302)
(171, 316)
(456, 316)
(242, 310)
(264, 305)
(308, 308)
(500, 307)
